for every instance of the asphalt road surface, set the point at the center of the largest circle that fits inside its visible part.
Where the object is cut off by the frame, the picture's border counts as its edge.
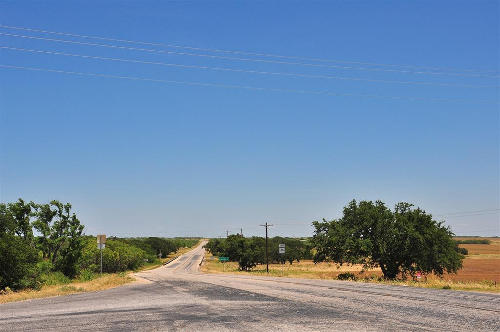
(178, 297)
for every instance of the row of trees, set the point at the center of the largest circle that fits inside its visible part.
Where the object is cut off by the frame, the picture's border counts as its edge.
(59, 243)
(249, 252)
(401, 242)
(38, 239)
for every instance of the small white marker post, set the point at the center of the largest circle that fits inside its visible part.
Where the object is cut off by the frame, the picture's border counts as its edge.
(101, 244)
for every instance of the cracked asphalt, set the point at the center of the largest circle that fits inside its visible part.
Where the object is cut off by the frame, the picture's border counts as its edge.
(179, 297)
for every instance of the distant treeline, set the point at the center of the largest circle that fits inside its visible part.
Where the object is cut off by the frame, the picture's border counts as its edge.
(44, 242)
(249, 252)
(473, 241)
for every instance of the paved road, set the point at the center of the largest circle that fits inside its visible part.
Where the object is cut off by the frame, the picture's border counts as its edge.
(178, 297)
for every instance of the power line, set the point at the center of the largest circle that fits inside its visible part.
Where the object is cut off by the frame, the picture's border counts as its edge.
(238, 52)
(246, 87)
(238, 70)
(156, 51)
(469, 213)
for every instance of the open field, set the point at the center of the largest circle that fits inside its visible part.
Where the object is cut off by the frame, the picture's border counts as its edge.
(480, 272)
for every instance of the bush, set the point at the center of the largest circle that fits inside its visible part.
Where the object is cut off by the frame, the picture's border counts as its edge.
(462, 251)
(87, 275)
(54, 278)
(153, 246)
(347, 276)
(249, 252)
(18, 263)
(473, 241)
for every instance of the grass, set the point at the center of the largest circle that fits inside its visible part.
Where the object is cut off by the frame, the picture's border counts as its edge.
(56, 284)
(99, 283)
(480, 272)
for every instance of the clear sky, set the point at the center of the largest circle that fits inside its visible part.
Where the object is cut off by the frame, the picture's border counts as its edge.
(142, 157)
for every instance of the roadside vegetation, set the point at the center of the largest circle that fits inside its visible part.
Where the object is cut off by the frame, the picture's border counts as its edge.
(44, 252)
(371, 243)
(250, 252)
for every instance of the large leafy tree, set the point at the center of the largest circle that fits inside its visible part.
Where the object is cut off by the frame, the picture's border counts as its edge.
(17, 263)
(401, 242)
(18, 256)
(22, 213)
(60, 235)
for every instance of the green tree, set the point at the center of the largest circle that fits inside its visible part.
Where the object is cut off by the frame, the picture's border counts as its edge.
(404, 241)
(7, 221)
(18, 257)
(60, 235)
(18, 261)
(22, 213)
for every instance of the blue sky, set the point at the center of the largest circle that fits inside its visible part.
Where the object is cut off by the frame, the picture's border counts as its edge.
(154, 158)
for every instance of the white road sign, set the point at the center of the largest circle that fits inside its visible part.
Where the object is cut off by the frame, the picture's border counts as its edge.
(101, 238)
(281, 248)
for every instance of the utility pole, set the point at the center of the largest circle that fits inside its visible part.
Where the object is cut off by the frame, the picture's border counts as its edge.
(227, 233)
(267, 256)
(241, 231)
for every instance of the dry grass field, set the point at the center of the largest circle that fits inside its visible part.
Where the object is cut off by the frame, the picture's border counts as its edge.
(104, 282)
(481, 270)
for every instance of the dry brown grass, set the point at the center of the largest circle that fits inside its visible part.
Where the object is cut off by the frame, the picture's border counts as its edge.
(480, 272)
(104, 282)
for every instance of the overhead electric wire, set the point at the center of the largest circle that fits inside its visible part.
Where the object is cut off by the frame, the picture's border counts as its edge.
(238, 70)
(238, 52)
(233, 86)
(469, 213)
(156, 51)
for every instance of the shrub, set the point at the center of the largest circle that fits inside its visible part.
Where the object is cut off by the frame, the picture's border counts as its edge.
(87, 275)
(54, 278)
(346, 276)
(473, 241)
(18, 263)
(117, 256)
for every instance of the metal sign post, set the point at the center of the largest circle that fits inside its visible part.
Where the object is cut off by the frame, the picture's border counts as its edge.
(223, 260)
(281, 251)
(101, 244)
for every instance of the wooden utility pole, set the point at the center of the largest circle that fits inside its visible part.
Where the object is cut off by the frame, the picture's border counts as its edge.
(267, 256)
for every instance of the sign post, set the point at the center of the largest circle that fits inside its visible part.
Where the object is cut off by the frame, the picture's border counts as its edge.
(281, 251)
(223, 260)
(101, 244)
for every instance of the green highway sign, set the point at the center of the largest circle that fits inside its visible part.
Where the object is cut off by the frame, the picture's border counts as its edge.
(223, 259)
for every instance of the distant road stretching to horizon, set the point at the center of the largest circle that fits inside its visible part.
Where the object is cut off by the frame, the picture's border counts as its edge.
(179, 297)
